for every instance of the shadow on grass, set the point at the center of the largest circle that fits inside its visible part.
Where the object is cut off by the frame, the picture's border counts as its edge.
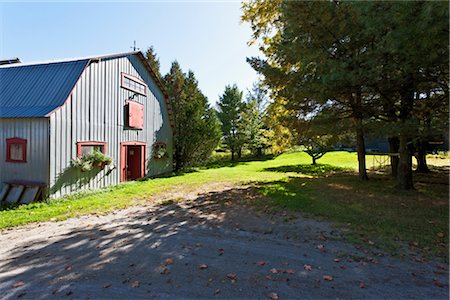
(318, 169)
(229, 163)
(372, 209)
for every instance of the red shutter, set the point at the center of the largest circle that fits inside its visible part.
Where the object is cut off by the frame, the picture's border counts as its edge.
(135, 115)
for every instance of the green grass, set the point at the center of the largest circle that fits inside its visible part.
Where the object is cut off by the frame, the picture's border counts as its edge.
(372, 210)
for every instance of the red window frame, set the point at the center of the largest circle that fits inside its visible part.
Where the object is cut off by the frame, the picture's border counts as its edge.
(133, 78)
(80, 144)
(20, 141)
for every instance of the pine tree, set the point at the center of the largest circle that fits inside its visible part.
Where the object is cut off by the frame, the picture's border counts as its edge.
(230, 107)
(197, 129)
(153, 60)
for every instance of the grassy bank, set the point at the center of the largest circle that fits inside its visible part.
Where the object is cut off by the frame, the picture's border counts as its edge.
(373, 210)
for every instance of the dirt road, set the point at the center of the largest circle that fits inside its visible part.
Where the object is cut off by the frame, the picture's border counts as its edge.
(211, 246)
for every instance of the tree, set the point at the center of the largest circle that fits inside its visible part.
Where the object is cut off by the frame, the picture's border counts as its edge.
(410, 77)
(197, 129)
(363, 57)
(313, 50)
(252, 120)
(230, 107)
(153, 60)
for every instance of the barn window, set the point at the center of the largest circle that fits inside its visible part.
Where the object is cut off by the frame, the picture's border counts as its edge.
(133, 84)
(16, 150)
(84, 148)
(134, 115)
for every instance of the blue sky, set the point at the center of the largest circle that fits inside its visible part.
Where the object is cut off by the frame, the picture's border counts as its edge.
(206, 37)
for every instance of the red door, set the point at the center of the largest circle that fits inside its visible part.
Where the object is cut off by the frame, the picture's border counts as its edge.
(134, 163)
(132, 160)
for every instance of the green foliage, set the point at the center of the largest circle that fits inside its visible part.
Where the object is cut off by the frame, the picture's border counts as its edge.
(230, 107)
(197, 129)
(89, 161)
(153, 60)
(382, 64)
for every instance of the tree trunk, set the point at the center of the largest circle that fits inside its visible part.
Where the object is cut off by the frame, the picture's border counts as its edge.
(405, 175)
(361, 150)
(232, 154)
(239, 153)
(178, 160)
(259, 152)
(393, 148)
(314, 160)
(421, 157)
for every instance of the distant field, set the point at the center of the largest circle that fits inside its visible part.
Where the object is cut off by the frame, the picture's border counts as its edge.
(330, 190)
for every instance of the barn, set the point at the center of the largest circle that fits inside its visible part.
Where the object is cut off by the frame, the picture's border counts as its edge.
(54, 115)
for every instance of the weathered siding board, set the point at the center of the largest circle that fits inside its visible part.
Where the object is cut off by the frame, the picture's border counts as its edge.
(36, 131)
(95, 112)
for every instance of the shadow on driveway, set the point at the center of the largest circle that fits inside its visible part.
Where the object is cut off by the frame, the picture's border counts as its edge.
(215, 246)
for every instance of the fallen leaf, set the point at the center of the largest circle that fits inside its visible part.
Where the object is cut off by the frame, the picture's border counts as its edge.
(217, 291)
(321, 248)
(221, 251)
(163, 270)
(203, 266)
(108, 285)
(440, 234)
(322, 237)
(68, 268)
(362, 285)
(168, 261)
(290, 271)
(268, 277)
(307, 267)
(135, 284)
(343, 267)
(337, 260)
(273, 271)
(273, 296)
(232, 276)
(18, 284)
(327, 277)
(261, 263)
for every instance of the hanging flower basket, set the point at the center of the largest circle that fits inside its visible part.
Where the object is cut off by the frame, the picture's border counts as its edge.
(92, 160)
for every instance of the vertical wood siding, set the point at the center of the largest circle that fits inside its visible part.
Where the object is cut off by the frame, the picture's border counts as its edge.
(95, 112)
(36, 132)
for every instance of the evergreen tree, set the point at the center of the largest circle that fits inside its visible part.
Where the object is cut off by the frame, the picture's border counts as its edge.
(197, 129)
(252, 117)
(153, 60)
(373, 61)
(230, 107)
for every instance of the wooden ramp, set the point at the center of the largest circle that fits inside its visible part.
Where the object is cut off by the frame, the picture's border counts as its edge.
(21, 192)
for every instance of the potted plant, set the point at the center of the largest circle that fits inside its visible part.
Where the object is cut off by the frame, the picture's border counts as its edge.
(88, 161)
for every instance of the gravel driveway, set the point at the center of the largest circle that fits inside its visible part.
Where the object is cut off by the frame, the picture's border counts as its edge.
(209, 246)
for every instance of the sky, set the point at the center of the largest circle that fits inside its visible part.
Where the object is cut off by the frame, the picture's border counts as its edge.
(205, 37)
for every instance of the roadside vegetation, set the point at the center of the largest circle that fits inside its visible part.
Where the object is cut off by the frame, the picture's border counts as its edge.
(372, 211)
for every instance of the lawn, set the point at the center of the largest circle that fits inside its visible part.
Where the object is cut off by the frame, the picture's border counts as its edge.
(372, 210)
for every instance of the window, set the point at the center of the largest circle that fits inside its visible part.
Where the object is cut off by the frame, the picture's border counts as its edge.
(16, 150)
(84, 148)
(133, 84)
(134, 115)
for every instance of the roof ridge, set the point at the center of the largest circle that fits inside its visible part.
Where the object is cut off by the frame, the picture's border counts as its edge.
(73, 59)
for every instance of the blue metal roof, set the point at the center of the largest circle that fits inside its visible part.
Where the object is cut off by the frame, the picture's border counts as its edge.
(36, 90)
